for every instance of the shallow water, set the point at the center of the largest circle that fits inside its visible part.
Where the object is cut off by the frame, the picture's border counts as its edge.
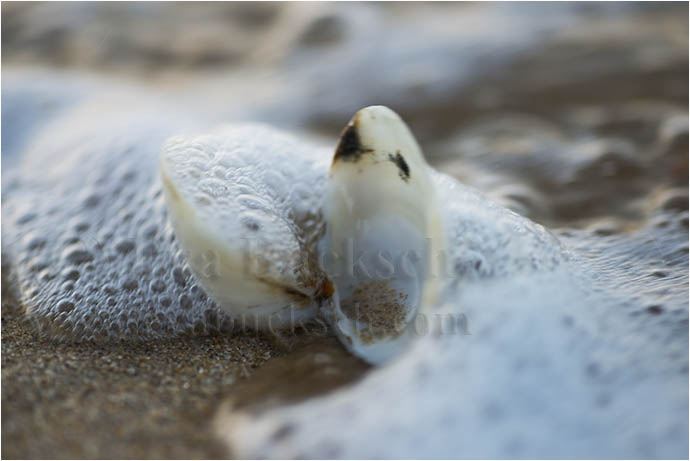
(578, 332)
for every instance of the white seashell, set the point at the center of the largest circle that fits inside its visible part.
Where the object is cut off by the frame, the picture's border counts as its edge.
(383, 228)
(378, 202)
(252, 252)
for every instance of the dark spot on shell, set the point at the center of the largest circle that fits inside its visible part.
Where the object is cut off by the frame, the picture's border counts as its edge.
(350, 148)
(400, 162)
(327, 289)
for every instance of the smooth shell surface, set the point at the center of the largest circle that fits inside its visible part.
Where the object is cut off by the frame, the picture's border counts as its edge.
(383, 232)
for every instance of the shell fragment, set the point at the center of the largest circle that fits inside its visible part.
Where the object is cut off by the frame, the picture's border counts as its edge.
(383, 228)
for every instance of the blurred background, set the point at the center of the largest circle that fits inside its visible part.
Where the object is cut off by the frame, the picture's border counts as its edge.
(574, 114)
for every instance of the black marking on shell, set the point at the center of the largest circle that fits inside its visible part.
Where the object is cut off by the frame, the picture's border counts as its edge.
(350, 148)
(400, 162)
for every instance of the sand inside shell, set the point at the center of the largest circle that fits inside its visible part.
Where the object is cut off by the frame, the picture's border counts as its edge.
(379, 310)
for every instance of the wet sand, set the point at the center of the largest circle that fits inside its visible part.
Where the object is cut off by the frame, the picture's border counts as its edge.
(152, 400)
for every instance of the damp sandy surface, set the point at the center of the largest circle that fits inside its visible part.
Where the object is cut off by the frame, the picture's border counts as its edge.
(151, 400)
(576, 120)
(89, 401)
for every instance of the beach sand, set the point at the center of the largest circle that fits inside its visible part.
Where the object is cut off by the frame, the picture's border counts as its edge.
(151, 400)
